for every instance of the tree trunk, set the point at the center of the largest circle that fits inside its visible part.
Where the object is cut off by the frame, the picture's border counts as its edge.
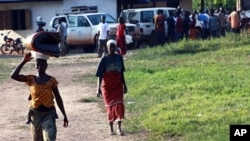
(202, 5)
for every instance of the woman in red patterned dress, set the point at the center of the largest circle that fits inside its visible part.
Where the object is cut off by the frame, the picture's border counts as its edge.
(111, 86)
(120, 36)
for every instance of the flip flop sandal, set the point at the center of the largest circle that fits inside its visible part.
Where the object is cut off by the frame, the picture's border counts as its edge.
(112, 133)
(119, 133)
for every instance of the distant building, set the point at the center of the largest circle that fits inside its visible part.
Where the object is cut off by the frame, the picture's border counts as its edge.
(127, 4)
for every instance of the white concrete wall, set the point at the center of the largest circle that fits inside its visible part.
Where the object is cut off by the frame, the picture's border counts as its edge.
(47, 10)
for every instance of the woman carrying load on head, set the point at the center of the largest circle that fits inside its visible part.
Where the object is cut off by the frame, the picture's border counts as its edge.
(43, 89)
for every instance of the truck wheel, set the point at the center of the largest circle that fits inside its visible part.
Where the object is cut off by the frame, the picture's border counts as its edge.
(89, 49)
(133, 45)
(66, 48)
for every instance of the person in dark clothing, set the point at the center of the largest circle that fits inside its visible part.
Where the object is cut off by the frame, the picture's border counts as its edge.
(214, 24)
(179, 27)
(171, 27)
(186, 24)
(40, 23)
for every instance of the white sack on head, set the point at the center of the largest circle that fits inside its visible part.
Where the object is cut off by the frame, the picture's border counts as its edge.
(110, 42)
(38, 55)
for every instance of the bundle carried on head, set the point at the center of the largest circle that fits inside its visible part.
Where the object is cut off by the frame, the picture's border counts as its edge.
(38, 55)
(45, 43)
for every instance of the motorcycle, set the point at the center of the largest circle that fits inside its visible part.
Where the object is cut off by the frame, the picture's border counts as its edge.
(11, 45)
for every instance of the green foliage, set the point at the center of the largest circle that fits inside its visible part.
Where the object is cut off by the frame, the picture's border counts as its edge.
(228, 4)
(190, 90)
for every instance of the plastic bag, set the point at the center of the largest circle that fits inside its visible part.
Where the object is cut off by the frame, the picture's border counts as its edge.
(128, 39)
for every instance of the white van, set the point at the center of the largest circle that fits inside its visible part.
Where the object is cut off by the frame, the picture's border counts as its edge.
(144, 18)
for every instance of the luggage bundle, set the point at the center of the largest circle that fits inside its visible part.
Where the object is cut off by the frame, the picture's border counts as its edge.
(44, 44)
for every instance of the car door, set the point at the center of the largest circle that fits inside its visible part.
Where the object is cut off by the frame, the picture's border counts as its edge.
(166, 15)
(147, 22)
(54, 23)
(79, 30)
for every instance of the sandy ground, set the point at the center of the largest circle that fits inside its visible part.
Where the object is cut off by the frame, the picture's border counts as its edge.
(87, 120)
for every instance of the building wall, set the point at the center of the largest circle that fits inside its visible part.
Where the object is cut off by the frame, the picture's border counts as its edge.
(186, 5)
(47, 10)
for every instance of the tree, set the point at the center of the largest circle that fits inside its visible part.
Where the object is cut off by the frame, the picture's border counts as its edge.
(207, 4)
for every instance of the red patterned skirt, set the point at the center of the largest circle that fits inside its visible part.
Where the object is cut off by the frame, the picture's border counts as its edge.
(112, 92)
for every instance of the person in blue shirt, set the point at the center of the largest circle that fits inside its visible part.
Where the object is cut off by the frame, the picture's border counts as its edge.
(205, 29)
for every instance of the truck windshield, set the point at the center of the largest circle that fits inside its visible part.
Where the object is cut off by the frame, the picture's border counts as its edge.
(245, 5)
(96, 19)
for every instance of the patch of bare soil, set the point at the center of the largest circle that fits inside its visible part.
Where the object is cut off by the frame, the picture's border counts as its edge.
(87, 120)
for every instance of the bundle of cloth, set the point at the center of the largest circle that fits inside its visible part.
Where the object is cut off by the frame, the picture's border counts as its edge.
(44, 44)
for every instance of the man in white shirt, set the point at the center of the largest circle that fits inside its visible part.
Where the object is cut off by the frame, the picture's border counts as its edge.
(102, 36)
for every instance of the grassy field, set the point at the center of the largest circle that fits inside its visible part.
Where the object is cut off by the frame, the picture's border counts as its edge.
(189, 91)
(5, 68)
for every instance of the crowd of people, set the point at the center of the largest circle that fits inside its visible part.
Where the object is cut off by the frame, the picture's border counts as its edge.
(204, 24)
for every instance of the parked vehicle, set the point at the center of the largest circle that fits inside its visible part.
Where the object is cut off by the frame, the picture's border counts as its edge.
(243, 6)
(144, 18)
(82, 27)
(10, 45)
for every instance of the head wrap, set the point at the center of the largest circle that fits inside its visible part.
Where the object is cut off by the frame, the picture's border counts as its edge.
(111, 41)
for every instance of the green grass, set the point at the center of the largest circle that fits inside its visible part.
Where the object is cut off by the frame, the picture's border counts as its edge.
(5, 67)
(189, 91)
(8, 63)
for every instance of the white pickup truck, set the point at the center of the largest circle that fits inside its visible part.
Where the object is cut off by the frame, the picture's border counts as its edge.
(83, 25)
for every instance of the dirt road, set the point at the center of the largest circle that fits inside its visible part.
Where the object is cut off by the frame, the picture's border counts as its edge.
(87, 120)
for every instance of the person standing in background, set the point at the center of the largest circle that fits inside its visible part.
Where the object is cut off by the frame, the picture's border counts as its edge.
(102, 36)
(121, 35)
(171, 27)
(203, 17)
(160, 27)
(179, 27)
(214, 24)
(222, 21)
(40, 23)
(193, 30)
(186, 24)
(234, 20)
(62, 30)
